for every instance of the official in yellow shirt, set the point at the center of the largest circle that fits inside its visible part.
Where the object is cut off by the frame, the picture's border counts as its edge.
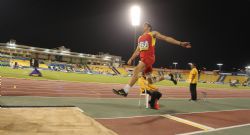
(145, 85)
(152, 90)
(193, 80)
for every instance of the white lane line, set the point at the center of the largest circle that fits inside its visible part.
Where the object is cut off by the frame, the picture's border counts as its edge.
(217, 129)
(139, 116)
(188, 122)
(216, 111)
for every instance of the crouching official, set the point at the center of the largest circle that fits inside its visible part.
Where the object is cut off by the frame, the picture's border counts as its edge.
(151, 90)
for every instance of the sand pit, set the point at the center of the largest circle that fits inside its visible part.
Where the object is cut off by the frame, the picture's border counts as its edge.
(56, 121)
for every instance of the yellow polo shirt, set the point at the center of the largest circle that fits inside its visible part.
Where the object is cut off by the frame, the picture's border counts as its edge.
(193, 72)
(144, 85)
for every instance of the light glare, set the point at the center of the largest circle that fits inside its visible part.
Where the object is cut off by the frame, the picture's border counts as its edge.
(135, 12)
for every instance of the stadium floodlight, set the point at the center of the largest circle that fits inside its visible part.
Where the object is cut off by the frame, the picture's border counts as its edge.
(12, 42)
(248, 71)
(175, 63)
(46, 50)
(220, 65)
(135, 13)
(107, 58)
(64, 51)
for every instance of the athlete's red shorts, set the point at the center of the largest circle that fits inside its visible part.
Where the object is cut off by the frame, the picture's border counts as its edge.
(148, 61)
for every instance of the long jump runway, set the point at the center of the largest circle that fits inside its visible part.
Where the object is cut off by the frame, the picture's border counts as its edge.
(166, 124)
(28, 87)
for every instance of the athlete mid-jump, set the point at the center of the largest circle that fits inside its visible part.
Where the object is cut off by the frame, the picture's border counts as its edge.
(146, 50)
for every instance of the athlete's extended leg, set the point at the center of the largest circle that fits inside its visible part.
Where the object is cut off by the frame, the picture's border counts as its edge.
(124, 92)
(154, 79)
(171, 78)
(138, 69)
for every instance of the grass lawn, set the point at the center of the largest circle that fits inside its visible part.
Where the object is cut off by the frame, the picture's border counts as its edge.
(54, 75)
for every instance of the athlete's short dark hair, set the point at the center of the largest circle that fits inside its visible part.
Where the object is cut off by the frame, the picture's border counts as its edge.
(194, 64)
(149, 25)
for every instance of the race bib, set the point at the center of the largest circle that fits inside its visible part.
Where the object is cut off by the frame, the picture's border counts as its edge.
(143, 46)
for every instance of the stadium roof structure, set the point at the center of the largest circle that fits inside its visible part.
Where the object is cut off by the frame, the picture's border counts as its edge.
(56, 51)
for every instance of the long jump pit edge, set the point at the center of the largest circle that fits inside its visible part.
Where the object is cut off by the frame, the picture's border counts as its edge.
(48, 121)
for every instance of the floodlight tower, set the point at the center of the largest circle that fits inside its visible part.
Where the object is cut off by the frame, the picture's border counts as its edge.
(220, 65)
(175, 63)
(135, 14)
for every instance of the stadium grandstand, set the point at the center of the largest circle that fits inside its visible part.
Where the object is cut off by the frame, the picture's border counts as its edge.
(63, 59)
(57, 58)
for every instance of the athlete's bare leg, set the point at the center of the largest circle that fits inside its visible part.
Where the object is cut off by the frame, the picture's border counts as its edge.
(151, 79)
(138, 69)
(154, 79)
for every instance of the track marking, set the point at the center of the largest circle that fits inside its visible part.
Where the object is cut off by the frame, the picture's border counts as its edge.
(215, 111)
(129, 117)
(166, 86)
(79, 109)
(187, 122)
(139, 116)
(217, 129)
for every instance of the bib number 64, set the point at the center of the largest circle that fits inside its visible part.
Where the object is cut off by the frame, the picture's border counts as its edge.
(143, 46)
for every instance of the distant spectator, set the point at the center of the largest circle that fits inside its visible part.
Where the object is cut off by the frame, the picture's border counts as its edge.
(233, 83)
(15, 65)
(244, 83)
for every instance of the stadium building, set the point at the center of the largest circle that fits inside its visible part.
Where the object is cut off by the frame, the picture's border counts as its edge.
(60, 54)
(63, 59)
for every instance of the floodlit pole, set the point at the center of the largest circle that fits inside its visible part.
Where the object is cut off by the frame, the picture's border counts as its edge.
(175, 63)
(220, 65)
(248, 73)
(135, 13)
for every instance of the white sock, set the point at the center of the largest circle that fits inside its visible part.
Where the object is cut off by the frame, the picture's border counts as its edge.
(167, 77)
(127, 88)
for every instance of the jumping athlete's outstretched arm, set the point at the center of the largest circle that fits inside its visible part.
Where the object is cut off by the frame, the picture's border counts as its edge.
(135, 54)
(171, 40)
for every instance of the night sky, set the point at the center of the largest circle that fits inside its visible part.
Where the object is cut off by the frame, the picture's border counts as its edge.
(218, 29)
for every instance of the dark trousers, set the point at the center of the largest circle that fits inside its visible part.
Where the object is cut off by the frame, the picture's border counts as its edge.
(154, 95)
(193, 92)
(35, 72)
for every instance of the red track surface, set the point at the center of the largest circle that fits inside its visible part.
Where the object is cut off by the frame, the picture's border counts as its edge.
(156, 125)
(27, 87)
(153, 125)
(219, 119)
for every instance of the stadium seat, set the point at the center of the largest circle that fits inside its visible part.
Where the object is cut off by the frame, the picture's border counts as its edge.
(101, 69)
(122, 71)
(241, 79)
(22, 63)
(43, 66)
